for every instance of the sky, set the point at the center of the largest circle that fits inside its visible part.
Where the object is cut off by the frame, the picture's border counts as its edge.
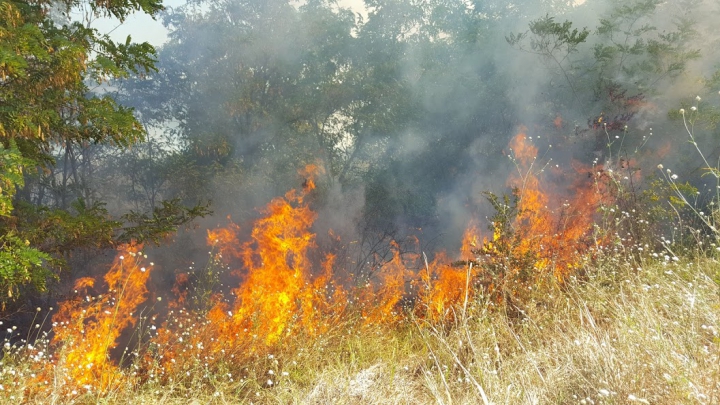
(140, 26)
(143, 28)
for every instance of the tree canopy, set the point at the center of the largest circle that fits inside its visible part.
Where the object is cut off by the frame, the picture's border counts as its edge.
(53, 116)
(407, 106)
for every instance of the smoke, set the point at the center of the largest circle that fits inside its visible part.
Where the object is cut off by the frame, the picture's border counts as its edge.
(409, 106)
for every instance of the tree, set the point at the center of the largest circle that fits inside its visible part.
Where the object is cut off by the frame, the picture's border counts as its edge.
(261, 88)
(615, 66)
(52, 116)
(19, 263)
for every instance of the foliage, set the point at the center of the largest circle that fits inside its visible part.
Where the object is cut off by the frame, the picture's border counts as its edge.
(11, 177)
(163, 221)
(20, 264)
(60, 231)
(53, 69)
(554, 41)
(626, 59)
(44, 70)
(508, 270)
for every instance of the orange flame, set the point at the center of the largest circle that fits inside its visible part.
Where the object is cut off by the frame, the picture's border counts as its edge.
(84, 283)
(470, 241)
(281, 293)
(225, 239)
(446, 286)
(277, 267)
(554, 230)
(380, 299)
(87, 329)
(278, 292)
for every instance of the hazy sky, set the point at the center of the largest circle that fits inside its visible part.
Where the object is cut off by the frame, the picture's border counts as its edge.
(142, 28)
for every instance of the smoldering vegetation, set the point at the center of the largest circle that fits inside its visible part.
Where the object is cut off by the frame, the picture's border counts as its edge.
(441, 185)
(407, 106)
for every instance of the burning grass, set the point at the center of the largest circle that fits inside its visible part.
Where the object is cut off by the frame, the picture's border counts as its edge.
(548, 309)
(622, 335)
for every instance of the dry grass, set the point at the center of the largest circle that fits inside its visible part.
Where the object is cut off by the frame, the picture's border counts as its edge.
(619, 335)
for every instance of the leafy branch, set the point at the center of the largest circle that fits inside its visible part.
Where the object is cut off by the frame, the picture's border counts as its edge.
(553, 40)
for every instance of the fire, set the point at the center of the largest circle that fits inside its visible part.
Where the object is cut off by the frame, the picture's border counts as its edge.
(278, 292)
(277, 267)
(180, 289)
(554, 230)
(445, 286)
(225, 239)
(87, 328)
(84, 283)
(470, 241)
(323, 301)
(285, 289)
(381, 296)
(533, 217)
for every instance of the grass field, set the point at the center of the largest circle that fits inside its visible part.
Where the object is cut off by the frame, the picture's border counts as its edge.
(619, 334)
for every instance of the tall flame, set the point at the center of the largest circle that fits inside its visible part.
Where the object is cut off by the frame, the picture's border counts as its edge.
(278, 291)
(554, 229)
(87, 329)
(286, 289)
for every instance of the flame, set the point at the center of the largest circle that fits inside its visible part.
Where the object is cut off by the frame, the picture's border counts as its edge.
(225, 240)
(84, 283)
(446, 286)
(470, 241)
(380, 298)
(533, 218)
(180, 289)
(277, 267)
(87, 329)
(278, 292)
(554, 230)
(286, 288)
(323, 301)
